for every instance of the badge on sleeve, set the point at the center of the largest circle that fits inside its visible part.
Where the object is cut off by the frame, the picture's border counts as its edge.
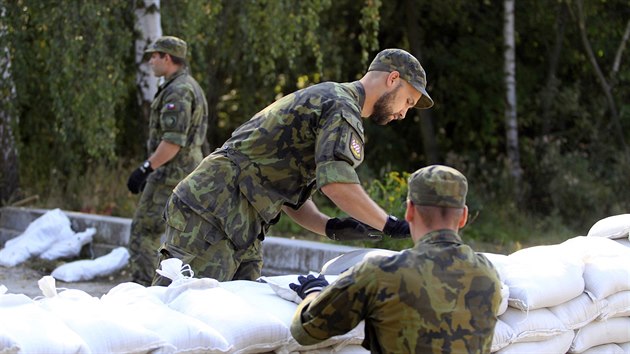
(356, 147)
(170, 106)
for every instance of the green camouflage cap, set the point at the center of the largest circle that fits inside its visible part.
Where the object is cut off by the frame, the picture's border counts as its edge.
(437, 185)
(409, 68)
(169, 45)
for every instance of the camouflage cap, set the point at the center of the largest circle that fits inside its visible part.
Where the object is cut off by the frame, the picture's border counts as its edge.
(437, 185)
(169, 45)
(409, 68)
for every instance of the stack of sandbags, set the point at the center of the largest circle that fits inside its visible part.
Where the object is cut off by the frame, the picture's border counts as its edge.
(615, 227)
(572, 297)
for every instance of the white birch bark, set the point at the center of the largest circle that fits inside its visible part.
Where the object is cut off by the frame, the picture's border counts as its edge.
(9, 171)
(511, 123)
(149, 25)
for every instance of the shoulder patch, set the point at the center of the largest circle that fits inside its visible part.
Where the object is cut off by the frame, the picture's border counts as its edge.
(171, 106)
(356, 147)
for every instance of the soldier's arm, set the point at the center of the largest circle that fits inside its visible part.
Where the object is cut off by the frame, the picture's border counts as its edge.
(163, 154)
(309, 217)
(354, 200)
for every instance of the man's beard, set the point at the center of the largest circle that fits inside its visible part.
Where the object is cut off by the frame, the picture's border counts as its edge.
(382, 107)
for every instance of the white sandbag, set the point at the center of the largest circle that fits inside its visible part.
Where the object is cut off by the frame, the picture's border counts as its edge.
(503, 336)
(133, 303)
(535, 325)
(181, 276)
(557, 344)
(505, 296)
(606, 275)
(616, 226)
(69, 246)
(498, 261)
(86, 269)
(610, 348)
(347, 260)
(98, 326)
(618, 305)
(8, 345)
(624, 242)
(261, 295)
(625, 346)
(38, 331)
(584, 247)
(37, 238)
(247, 328)
(537, 278)
(348, 349)
(614, 330)
(580, 311)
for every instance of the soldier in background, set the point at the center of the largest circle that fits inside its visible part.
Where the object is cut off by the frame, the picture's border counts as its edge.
(311, 139)
(177, 131)
(437, 297)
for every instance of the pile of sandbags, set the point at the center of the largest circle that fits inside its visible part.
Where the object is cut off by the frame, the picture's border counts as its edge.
(572, 297)
(189, 316)
(51, 237)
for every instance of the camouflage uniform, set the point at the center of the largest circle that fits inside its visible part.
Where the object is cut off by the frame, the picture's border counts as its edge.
(179, 115)
(219, 213)
(437, 297)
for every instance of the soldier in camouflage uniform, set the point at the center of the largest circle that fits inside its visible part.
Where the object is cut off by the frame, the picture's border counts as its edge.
(437, 297)
(308, 140)
(177, 130)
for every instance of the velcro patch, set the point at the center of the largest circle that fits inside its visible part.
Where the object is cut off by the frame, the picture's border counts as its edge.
(356, 147)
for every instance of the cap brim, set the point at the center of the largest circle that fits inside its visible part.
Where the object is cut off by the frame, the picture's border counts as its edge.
(425, 100)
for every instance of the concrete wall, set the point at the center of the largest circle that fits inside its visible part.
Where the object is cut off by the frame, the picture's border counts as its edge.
(281, 255)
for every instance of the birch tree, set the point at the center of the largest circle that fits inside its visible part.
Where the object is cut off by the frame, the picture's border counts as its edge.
(511, 123)
(149, 27)
(9, 175)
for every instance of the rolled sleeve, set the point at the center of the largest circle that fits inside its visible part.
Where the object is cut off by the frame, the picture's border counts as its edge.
(297, 328)
(335, 172)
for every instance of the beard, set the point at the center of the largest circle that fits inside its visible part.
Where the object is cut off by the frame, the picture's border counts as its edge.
(383, 107)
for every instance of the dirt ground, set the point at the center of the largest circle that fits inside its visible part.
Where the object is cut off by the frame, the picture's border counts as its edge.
(23, 278)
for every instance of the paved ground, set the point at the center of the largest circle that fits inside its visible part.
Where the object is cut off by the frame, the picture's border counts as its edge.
(22, 279)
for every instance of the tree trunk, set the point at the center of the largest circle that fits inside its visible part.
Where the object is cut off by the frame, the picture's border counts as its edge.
(426, 116)
(551, 86)
(511, 124)
(606, 87)
(149, 27)
(9, 169)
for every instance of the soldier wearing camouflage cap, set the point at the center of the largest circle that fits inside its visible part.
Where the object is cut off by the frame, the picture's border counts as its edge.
(177, 131)
(438, 297)
(308, 140)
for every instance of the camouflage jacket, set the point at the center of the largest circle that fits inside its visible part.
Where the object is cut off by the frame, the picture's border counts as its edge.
(179, 114)
(303, 141)
(437, 297)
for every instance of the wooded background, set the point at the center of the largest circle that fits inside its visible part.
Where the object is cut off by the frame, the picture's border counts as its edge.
(531, 97)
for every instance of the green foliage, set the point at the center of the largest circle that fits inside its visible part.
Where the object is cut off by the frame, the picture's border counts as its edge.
(70, 59)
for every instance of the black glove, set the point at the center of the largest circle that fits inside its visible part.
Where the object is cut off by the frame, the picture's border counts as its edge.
(309, 284)
(138, 177)
(348, 229)
(396, 228)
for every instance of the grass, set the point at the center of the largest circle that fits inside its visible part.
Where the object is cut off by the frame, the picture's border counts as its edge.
(494, 226)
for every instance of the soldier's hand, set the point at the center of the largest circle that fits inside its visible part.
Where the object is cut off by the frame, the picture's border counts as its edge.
(308, 284)
(348, 229)
(138, 177)
(396, 228)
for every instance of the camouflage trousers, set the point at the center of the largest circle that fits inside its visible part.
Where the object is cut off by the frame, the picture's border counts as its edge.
(205, 247)
(147, 229)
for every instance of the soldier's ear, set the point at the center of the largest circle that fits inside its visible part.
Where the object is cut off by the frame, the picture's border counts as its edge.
(409, 213)
(464, 217)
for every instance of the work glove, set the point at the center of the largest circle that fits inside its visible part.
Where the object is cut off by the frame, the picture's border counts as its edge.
(138, 178)
(308, 284)
(396, 228)
(349, 229)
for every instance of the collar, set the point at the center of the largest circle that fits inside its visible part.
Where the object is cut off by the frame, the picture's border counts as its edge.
(181, 71)
(441, 236)
(360, 90)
